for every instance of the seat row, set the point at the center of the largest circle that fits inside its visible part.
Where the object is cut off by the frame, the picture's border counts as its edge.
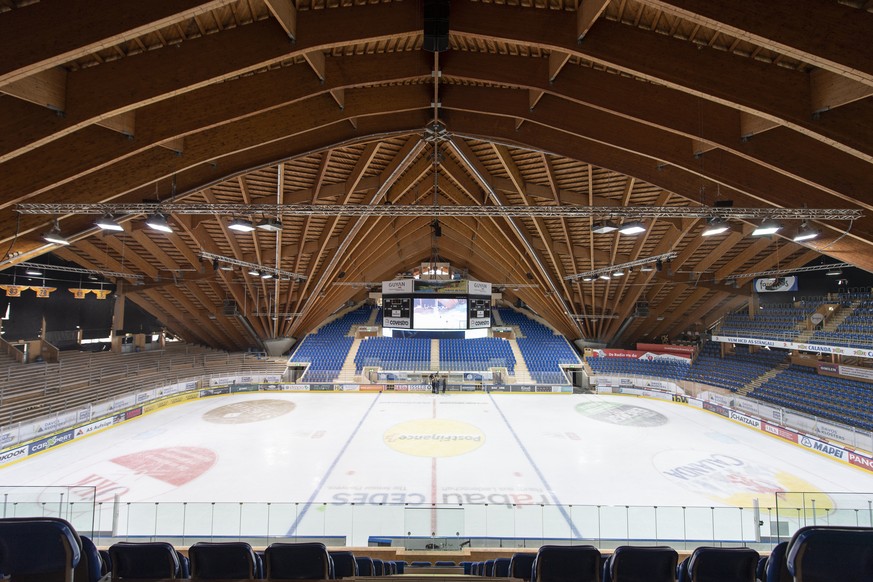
(50, 550)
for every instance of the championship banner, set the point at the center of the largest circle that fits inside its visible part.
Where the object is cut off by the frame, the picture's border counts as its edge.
(101, 293)
(79, 293)
(776, 284)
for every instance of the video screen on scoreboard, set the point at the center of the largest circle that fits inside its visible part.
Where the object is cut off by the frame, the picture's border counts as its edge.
(439, 313)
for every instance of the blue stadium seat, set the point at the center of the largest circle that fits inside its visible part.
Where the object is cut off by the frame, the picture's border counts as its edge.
(365, 565)
(378, 567)
(489, 567)
(567, 564)
(444, 564)
(223, 560)
(44, 549)
(520, 565)
(501, 567)
(144, 560)
(831, 554)
(777, 566)
(344, 564)
(708, 564)
(302, 561)
(90, 568)
(467, 566)
(641, 564)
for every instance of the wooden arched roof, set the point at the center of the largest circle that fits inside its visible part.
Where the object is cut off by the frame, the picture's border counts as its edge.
(549, 103)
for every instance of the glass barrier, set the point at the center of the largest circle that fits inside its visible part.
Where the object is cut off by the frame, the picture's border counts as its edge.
(440, 527)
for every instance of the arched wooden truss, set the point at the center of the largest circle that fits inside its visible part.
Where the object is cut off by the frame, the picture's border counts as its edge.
(599, 103)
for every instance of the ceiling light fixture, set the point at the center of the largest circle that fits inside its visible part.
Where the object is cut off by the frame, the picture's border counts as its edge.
(603, 227)
(106, 222)
(715, 225)
(241, 225)
(767, 226)
(254, 272)
(632, 227)
(805, 233)
(33, 272)
(158, 221)
(270, 225)
(618, 274)
(834, 272)
(605, 276)
(266, 275)
(54, 235)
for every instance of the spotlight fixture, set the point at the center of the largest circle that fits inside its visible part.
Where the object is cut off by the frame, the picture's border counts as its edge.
(241, 225)
(588, 279)
(33, 272)
(54, 235)
(834, 272)
(270, 225)
(225, 267)
(603, 227)
(437, 229)
(618, 273)
(266, 275)
(254, 272)
(805, 233)
(715, 225)
(605, 276)
(632, 227)
(767, 226)
(158, 221)
(647, 268)
(108, 223)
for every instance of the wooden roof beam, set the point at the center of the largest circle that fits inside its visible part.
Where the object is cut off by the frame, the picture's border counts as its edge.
(63, 39)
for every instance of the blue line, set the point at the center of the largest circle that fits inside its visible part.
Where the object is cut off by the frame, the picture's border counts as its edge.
(330, 469)
(539, 473)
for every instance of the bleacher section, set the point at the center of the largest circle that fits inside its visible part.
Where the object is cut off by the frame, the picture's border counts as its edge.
(543, 350)
(837, 399)
(326, 350)
(388, 353)
(782, 321)
(28, 391)
(736, 370)
(856, 329)
(476, 354)
(675, 369)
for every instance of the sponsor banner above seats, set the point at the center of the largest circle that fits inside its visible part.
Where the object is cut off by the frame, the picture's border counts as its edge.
(819, 348)
(687, 351)
(638, 355)
(776, 284)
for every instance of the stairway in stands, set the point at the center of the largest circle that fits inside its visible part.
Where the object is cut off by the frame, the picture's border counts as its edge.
(522, 374)
(831, 324)
(434, 355)
(760, 380)
(348, 370)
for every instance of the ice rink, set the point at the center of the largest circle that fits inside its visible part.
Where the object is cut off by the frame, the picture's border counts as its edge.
(368, 454)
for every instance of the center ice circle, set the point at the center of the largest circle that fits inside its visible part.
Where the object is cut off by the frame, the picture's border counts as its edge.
(621, 414)
(249, 411)
(434, 437)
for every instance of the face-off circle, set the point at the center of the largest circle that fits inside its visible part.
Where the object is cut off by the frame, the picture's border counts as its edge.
(249, 411)
(434, 437)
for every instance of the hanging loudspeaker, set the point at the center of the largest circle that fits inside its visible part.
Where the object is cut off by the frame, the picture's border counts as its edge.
(436, 25)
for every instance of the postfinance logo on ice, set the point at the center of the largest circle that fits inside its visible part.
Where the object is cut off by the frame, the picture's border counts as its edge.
(434, 437)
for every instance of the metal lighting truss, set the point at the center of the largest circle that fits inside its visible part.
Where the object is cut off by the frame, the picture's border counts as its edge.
(262, 268)
(778, 272)
(622, 266)
(431, 211)
(77, 270)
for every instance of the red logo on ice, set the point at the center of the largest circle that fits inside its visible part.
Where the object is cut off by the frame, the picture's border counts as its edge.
(175, 466)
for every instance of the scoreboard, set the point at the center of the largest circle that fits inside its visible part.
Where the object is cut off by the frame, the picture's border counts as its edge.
(436, 305)
(480, 312)
(397, 312)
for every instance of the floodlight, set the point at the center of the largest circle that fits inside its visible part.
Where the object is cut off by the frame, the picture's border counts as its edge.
(241, 225)
(633, 227)
(158, 221)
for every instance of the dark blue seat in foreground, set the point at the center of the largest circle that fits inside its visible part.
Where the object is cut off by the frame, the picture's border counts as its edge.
(42, 549)
(224, 560)
(444, 564)
(467, 566)
(90, 568)
(144, 560)
(831, 554)
(344, 564)
(420, 565)
(489, 567)
(567, 564)
(719, 565)
(501, 567)
(641, 564)
(520, 565)
(777, 567)
(304, 561)
(365, 565)
(378, 567)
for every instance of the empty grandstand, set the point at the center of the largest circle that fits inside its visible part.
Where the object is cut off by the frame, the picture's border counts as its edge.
(325, 351)
(544, 351)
